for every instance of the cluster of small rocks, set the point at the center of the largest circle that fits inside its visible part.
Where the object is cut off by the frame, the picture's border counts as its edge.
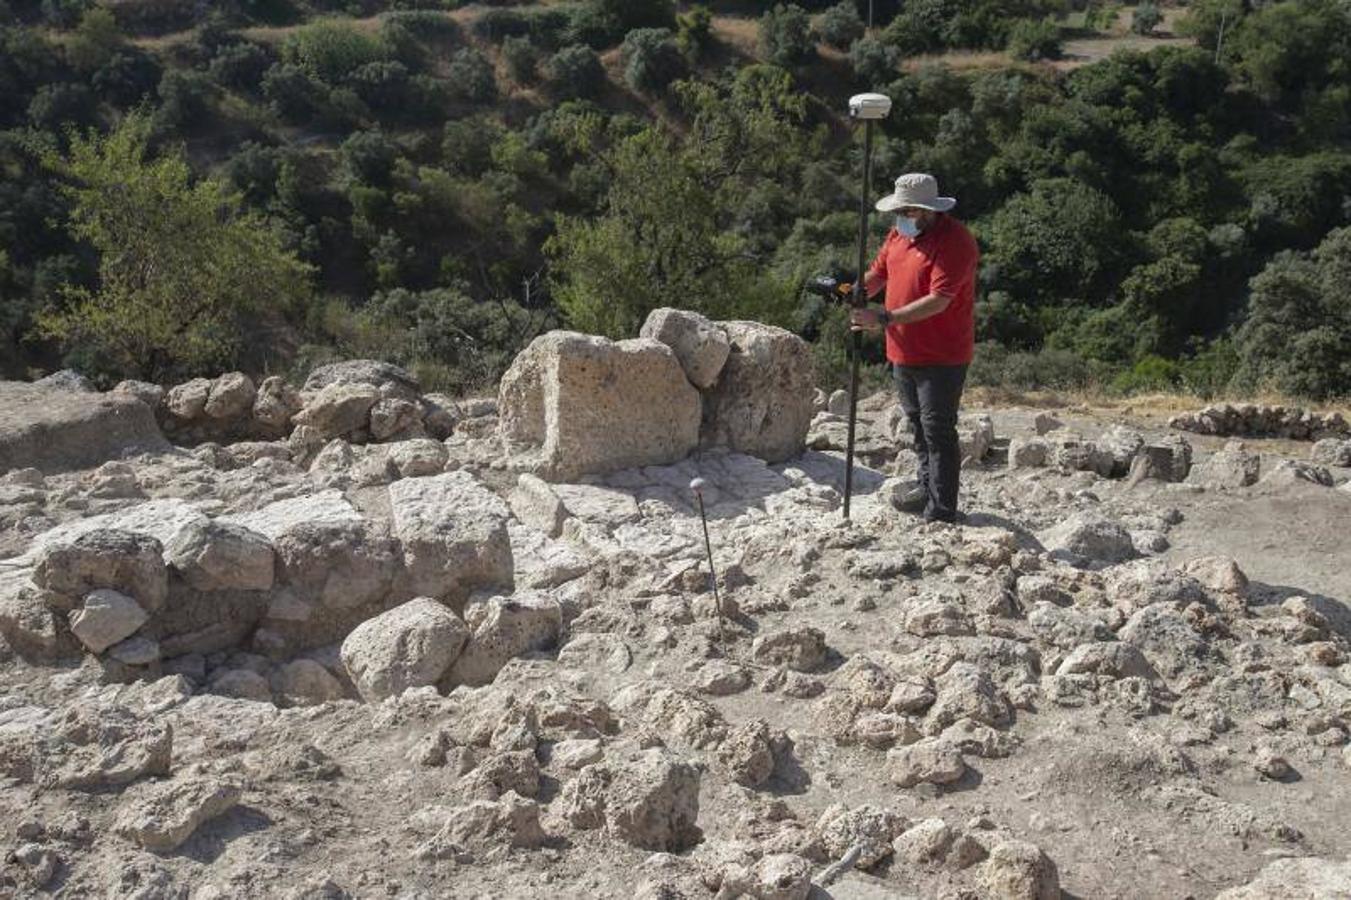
(357, 400)
(1257, 420)
(1120, 452)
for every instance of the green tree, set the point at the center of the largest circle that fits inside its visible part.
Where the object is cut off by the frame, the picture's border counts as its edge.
(1297, 337)
(665, 237)
(652, 60)
(786, 35)
(522, 59)
(841, 25)
(330, 51)
(875, 63)
(181, 267)
(471, 77)
(1034, 40)
(575, 72)
(1061, 239)
(694, 31)
(1146, 18)
(95, 41)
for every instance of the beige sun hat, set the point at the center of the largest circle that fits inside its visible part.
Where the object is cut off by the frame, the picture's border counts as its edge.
(915, 189)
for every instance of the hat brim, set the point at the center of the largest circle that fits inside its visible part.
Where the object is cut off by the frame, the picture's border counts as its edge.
(891, 202)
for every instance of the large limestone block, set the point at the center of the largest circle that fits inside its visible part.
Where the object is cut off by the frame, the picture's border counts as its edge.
(594, 405)
(454, 534)
(330, 561)
(125, 561)
(221, 556)
(762, 404)
(410, 646)
(58, 430)
(700, 345)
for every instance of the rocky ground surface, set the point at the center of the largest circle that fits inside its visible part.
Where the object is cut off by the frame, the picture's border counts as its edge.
(1125, 675)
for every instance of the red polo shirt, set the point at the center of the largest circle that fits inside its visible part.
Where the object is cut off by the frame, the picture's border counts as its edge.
(942, 260)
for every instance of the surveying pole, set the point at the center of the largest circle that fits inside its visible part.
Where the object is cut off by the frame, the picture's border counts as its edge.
(868, 108)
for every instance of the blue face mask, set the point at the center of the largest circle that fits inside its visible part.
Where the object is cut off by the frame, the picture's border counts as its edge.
(906, 226)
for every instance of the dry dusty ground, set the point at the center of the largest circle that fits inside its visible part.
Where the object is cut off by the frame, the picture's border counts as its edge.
(1134, 787)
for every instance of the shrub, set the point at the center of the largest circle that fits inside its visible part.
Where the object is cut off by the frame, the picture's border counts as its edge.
(158, 16)
(1055, 370)
(498, 24)
(292, 93)
(383, 86)
(64, 13)
(576, 71)
(56, 106)
(127, 78)
(786, 35)
(330, 51)
(1146, 18)
(185, 98)
(1149, 374)
(521, 58)
(369, 156)
(652, 60)
(470, 77)
(1102, 16)
(841, 25)
(1033, 40)
(874, 62)
(426, 24)
(241, 65)
(694, 31)
(95, 40)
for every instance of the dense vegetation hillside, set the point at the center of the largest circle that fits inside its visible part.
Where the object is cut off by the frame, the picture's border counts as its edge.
(270, 183)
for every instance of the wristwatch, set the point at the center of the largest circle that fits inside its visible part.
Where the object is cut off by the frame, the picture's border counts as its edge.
(886, 317)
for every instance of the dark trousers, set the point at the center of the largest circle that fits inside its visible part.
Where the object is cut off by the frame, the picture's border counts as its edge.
(930, 396)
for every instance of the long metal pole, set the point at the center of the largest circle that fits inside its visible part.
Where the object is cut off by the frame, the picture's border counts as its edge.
(697, 485)
(860, 298)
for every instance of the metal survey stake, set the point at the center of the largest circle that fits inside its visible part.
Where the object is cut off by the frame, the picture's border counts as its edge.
(697, 485)
(868, 108)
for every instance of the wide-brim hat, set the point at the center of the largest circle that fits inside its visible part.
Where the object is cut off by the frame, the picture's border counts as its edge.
(916, 190)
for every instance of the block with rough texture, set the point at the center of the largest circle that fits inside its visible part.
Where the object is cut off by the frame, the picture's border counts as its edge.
(512, 626)
(125, 561)
(592, 405)
(106, 618)
(762, 404)
(454, 534)
(167, 814)
(535, 503)
(410, 646)
(699, 344)
(55, 430)
(1234, 466)
(231, 396)
(221, 556)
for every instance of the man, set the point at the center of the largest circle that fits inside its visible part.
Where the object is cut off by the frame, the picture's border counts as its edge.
(928, 266)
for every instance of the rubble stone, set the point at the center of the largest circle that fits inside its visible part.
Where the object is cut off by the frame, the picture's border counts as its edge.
(699, 344)
(410, 646)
